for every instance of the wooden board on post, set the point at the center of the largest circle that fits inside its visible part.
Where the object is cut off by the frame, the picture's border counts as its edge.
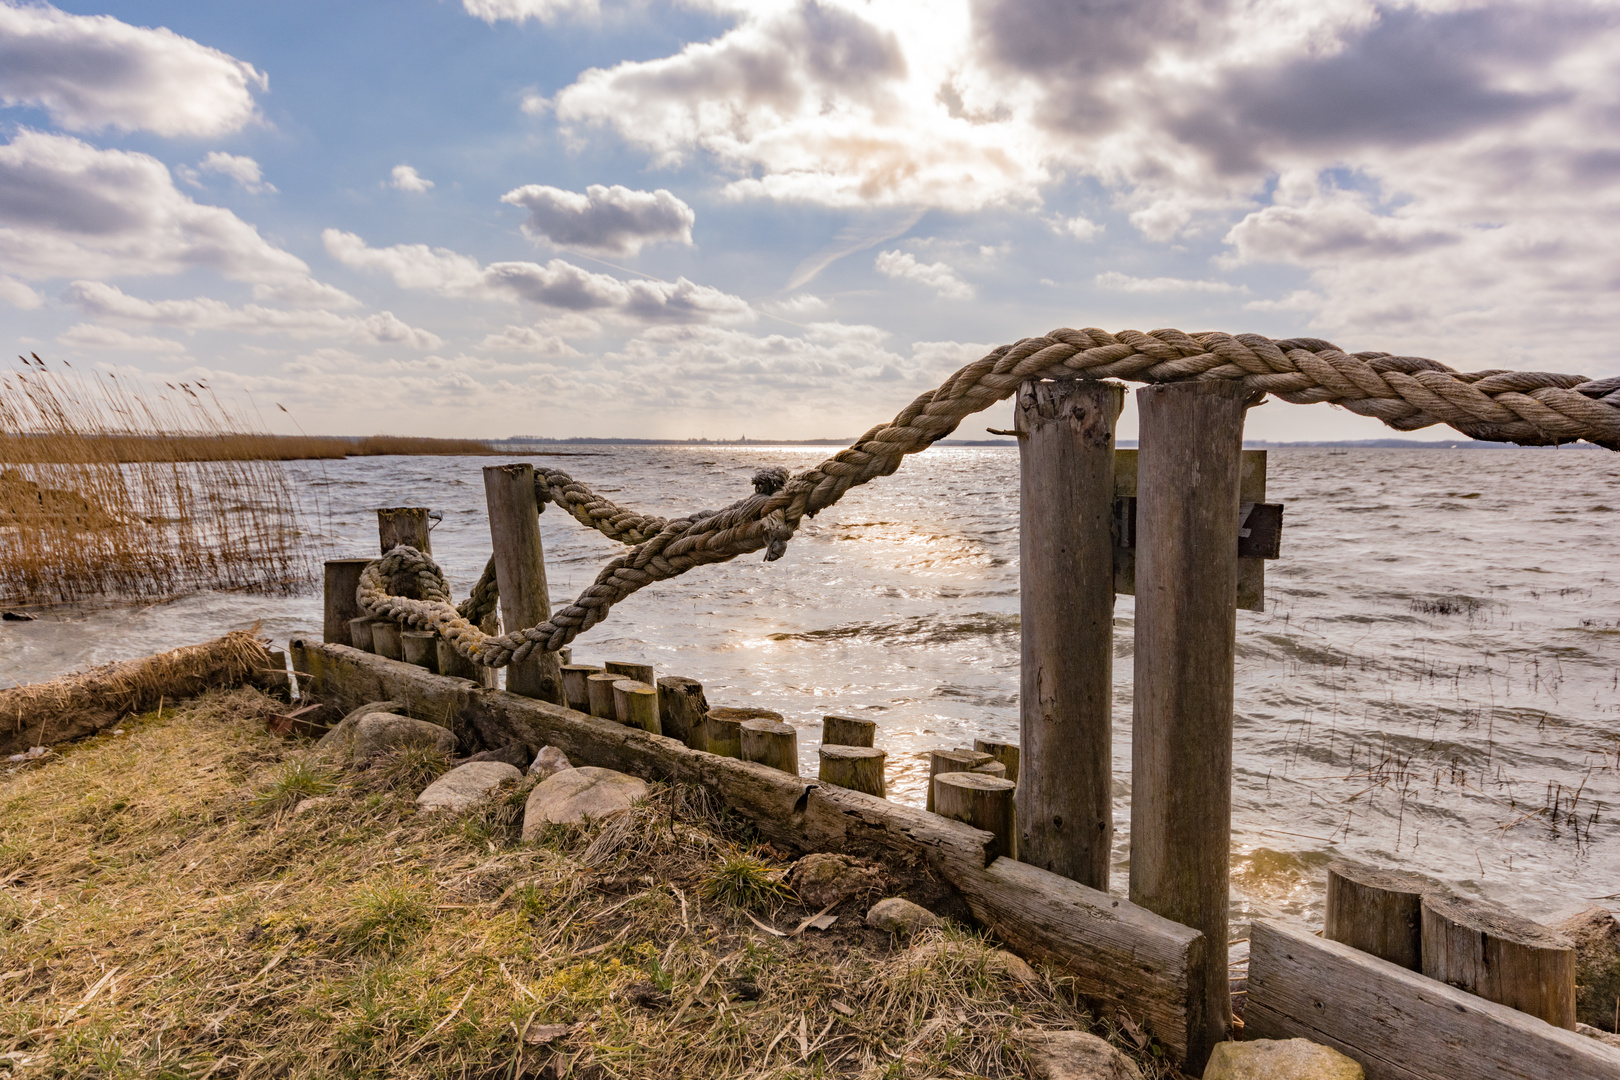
(342, 582)
(1189, 471)
(520, 574)
(1066, 601)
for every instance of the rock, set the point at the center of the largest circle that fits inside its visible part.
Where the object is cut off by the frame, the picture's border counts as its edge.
(1596, 935)
(462, 787)
(1076, 1055)
(573, 796)
(1279, 1059)
(377, 734)
(549, 762)
(515, 754)
(997, 960)
(311, 804)
(1597, 1033)
(822, 879)
(897, 915)
(338, 743)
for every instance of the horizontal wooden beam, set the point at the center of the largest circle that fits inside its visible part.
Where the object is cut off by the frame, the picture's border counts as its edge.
(1124, 956)
(1401, 1025)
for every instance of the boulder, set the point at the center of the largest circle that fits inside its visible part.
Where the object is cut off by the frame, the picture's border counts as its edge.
(377, 734)
(1279, 1059)
(823, 878)
(515, 754)
(1596, 935)
(338, 743)
(999, 961)
(548, 762)
(897, 915)
(1597, 1033)
(574, 796)
(464, 786)
(1076, 1055)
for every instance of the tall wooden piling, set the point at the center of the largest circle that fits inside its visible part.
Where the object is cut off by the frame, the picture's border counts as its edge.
(1066, 596)
(406, 525)
(1186, 624)
(520, 574)
(342, 581)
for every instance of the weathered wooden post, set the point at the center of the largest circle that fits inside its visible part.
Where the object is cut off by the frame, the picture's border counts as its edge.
(599, 694)
(682, 709)
(407, 525)
(1004, 752)
(1377, 911)
(1188, 474)
(844, 731)
(520, 574)
(342, 581)
(983, 801)
(627, 669)
(771, 742)
(576, 691)
(958, 760)
(385, 640)
(1066, 597)
(454, 664)
(360, 633)
(859, 768)
(635, 704)
(723, 727)
(420, 647)
(1487, 950)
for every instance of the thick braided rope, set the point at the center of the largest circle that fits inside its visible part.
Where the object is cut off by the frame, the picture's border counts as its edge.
(1406, 393)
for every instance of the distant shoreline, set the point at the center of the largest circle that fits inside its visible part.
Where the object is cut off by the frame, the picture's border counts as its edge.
(519, 443)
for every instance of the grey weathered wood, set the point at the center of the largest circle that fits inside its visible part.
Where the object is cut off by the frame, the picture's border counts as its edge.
(1399, 1024)
(1186, 627)
(273, 678)
(845, 731)
(385, 640)
(636, 703)
(981, 800)
(360, 634)
(1118, 953)
(1066, 603)
(722, 728)
(520, 573)
(1004, 752)
(454, 664)
(599, 694)
(576, 688)
(406, 525)
(342, 581)
(420, 647)
(771, 742)
(629, 670)
(682, 709)
(859, 768)
(1487, 950)
(949, 761)
(1377, 911)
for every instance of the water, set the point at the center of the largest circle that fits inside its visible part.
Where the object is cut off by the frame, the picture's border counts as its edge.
(1435, 682)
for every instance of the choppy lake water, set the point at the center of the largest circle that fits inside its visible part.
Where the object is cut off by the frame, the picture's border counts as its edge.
(1435, 682)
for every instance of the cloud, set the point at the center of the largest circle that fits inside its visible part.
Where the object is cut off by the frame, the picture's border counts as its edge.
(556, 284)
(1118, 282)
(1081, 228)
(937, 276)
(528, 339)
(109, 303)
(244, 170)
(19, 295)
(614, 220)
(405, 178)
(492, 11)
(93, 72)
(90, 336)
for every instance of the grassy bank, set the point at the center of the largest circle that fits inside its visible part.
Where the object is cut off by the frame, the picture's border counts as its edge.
(163, 913)
(128, 449)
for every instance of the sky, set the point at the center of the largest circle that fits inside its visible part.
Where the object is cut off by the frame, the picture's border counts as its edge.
(784, 219)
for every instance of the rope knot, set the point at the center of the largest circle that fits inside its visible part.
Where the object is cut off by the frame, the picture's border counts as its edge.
(770, 481)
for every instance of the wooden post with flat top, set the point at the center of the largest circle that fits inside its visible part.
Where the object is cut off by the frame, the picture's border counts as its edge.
(1066, 595)
(342, 581)
(1188, 476)
(520, 574)
(404, 525)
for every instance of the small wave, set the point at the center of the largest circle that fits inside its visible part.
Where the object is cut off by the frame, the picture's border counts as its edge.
(921, 630)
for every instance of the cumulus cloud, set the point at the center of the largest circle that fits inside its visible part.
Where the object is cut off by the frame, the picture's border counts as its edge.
(1080, 227)
(556, 284)
(1118, 282)
(493, 11)
(90, 336)
(405, 178)
(614, 220)
(528, 339)
(18, 294)
(93, 72)
(111, 304)
(937, 276)
(244, 170)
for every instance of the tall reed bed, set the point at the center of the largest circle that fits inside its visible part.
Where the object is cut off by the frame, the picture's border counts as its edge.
(99, 498)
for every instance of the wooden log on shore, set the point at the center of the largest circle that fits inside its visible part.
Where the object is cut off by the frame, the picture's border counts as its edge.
(385, 640)
(576, 687)
(1004, 752)
(858, 768)
(845, 731)
(1489, 951)
(949, 761)
(406, 525)
(342, 583)
(72, 706)
(452, 663)
(982, 801)
(1066, 600)
(626, 669)
(520, 574)
(723, 727)
(1120, 955)
(420, 647)
(599, 695)
(1186, 627)
(1398, 1024)
(636, 703)
(360, 633)
(682, 709)
(1377, 911)
(771, 742)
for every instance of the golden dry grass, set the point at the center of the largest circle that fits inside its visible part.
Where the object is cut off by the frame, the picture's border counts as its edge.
(164, 914)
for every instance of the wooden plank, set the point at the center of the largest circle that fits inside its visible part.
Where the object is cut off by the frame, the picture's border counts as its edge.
(1123, 956)
(1401, 1025)
(342, 606)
